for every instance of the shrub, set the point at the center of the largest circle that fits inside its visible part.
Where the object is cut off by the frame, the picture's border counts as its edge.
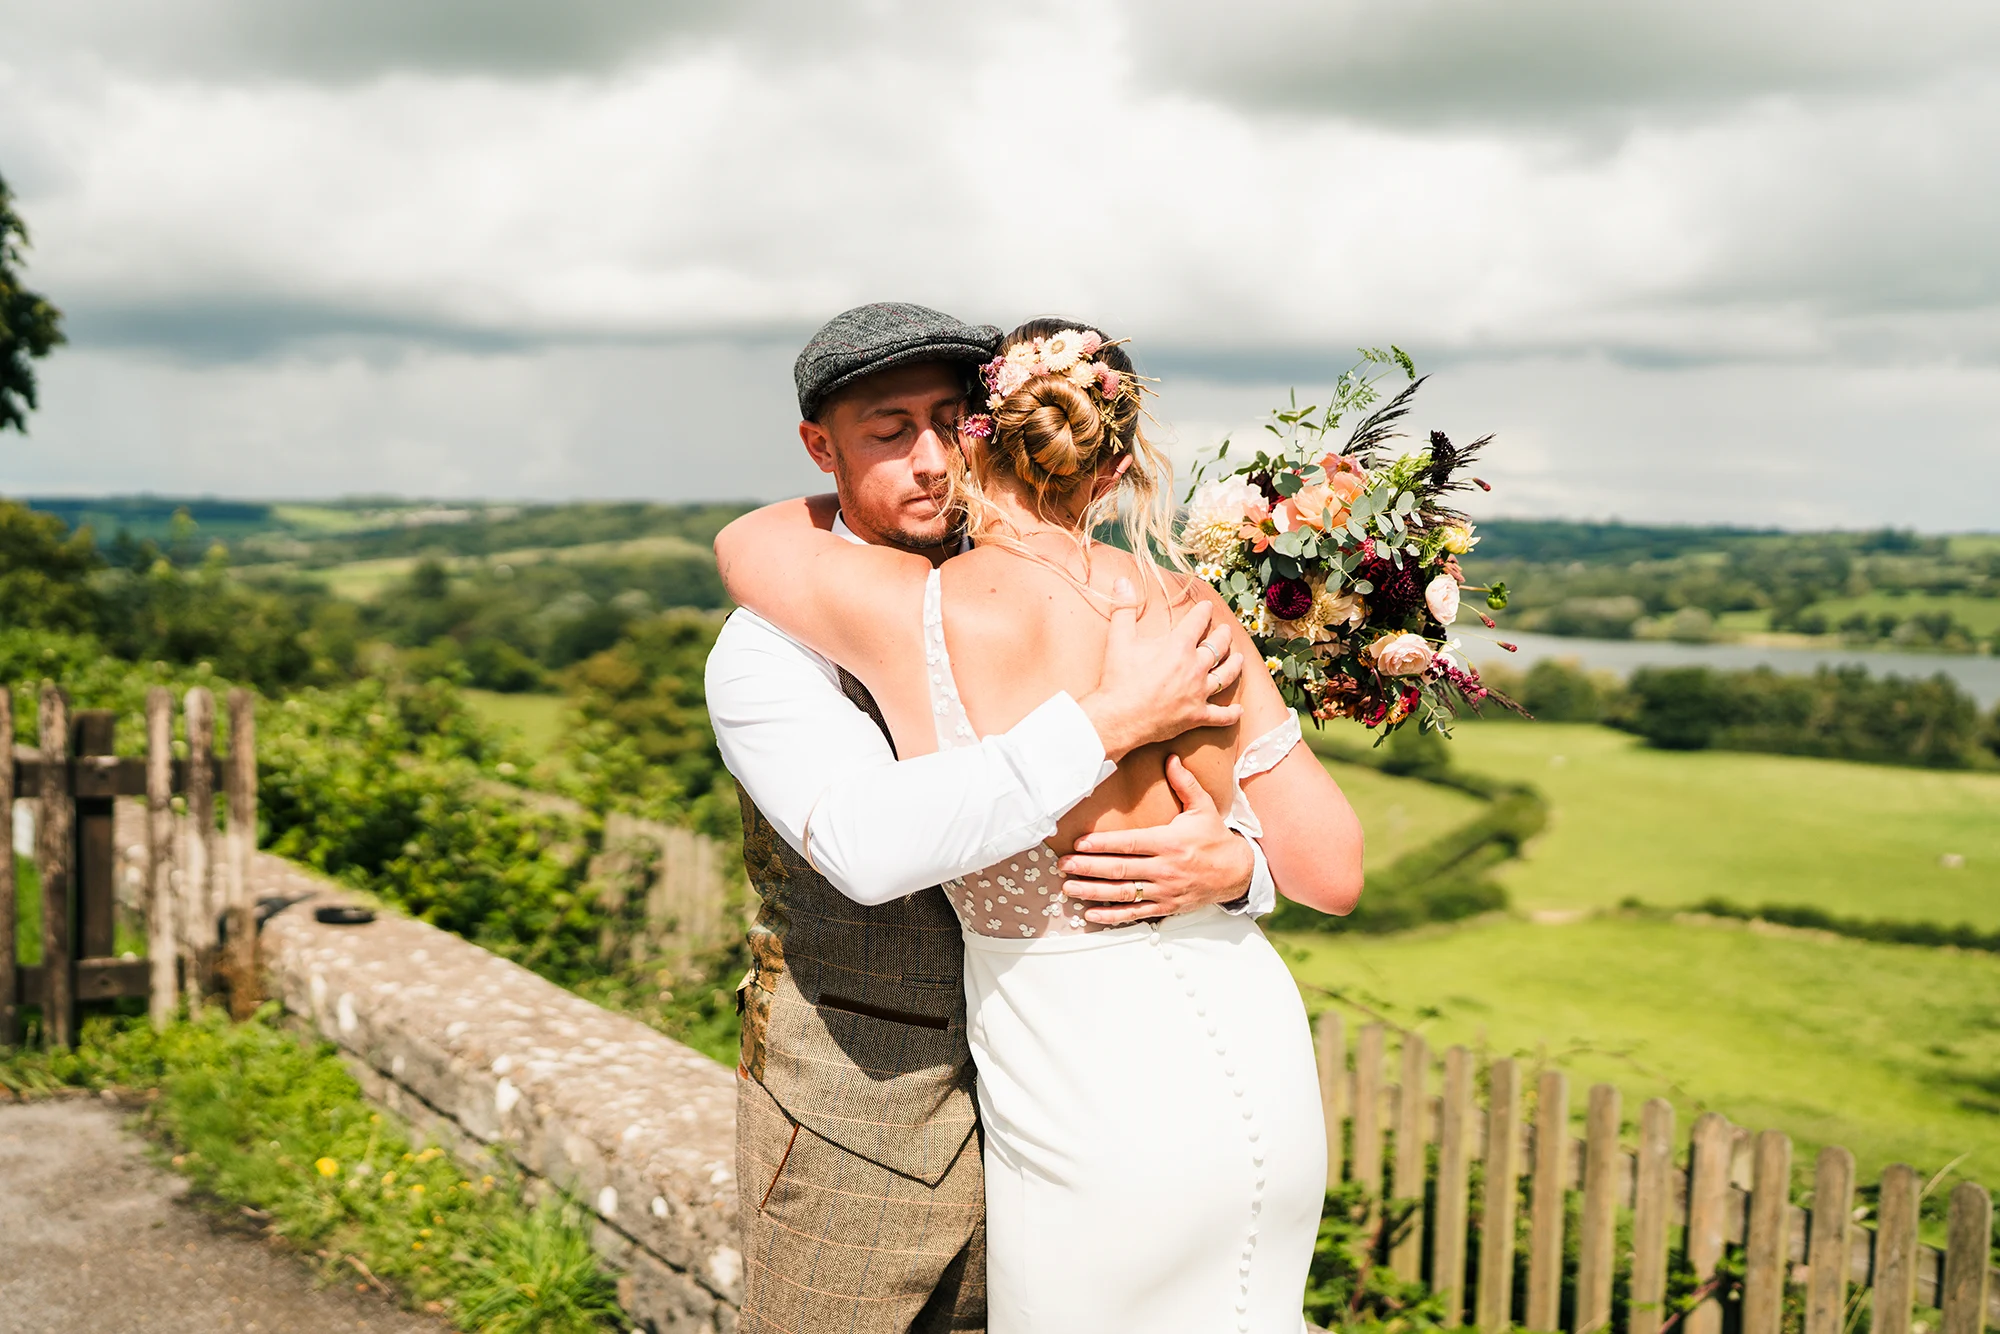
(1561, 691)
(1589, 618)
(1836, 713)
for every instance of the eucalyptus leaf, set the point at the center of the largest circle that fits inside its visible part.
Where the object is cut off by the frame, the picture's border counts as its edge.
(1363, 587)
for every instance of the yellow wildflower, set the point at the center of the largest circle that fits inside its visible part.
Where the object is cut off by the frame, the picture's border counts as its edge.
(327, 1167)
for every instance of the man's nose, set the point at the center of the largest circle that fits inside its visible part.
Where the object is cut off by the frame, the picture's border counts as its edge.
(927, 456)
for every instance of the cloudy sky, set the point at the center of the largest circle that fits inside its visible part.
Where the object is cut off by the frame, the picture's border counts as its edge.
(1691, 260)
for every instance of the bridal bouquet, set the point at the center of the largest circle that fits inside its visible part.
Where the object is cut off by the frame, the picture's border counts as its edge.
(1343, 563)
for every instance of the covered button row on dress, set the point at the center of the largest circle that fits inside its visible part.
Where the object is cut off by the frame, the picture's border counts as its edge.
(1251, 1129)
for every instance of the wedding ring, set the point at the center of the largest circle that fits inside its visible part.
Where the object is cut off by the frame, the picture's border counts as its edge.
(1136, 896)
(1213, 656)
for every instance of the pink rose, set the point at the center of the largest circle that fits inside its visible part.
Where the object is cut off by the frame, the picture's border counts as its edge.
(1400, 654)
(1441, 595)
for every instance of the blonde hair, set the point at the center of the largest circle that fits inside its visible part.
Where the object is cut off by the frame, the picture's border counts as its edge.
(1056, 436)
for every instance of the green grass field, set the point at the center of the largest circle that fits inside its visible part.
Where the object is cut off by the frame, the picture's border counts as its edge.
(1398, 814)
(361, 580)
(1888, 1050)
(1672, 828)
(536, 719)
(1980, 615)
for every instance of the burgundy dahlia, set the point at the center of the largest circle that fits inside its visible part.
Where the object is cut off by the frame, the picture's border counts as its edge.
(1289, 599)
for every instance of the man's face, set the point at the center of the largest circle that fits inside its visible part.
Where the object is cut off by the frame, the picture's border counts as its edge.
(885, 440)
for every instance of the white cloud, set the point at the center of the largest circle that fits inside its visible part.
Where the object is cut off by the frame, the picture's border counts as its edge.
(378, 246)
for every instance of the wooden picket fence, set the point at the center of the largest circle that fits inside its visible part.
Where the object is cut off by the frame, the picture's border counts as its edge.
(197, 883)
(1733, 1190)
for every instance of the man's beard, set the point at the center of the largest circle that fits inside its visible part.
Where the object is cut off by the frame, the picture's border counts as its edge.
(940, 532)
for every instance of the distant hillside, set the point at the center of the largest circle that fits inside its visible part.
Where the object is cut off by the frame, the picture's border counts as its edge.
(370, 528)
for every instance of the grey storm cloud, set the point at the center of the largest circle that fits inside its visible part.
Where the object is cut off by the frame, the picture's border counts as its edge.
(1551, 64)
(310, 39)
(511, 247)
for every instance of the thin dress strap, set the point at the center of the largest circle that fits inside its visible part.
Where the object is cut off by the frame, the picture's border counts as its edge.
(954, 726)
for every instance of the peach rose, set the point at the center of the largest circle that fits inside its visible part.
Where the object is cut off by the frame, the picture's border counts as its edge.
(1309, 507)
(1441, 595)
(1400, 654)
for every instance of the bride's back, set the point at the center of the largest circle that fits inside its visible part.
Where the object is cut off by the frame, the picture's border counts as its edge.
(1018, 631)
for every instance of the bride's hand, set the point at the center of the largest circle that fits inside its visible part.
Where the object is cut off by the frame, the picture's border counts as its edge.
(1154, 689)
(1193, 860)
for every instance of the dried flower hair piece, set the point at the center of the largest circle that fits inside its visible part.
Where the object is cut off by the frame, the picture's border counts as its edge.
(1069, 353)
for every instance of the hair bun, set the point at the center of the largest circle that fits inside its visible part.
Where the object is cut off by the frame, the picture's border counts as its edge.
(1051, 428)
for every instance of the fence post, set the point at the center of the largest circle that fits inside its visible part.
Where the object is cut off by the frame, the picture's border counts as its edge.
(10, 1012)
(1968, 1237)
(1652, 1201)
(1454, 1172)
(1545, 1227)
(240, 967)
(1368, 1117)
(198, 860)
(1708, 1191)
(1896, 1250)
(1765, 1243)
(1412, 1109)
(162, 921)
(1595, 1249)
(1827, 1244)
(55, 848)
(93, 734)
(1332, 1087)
(1494, 1304)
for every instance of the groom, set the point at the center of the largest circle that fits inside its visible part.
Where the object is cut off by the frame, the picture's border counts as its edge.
(861, 1197)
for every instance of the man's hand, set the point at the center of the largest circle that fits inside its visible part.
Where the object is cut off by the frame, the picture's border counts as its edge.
(1155, 689)
(1189, 862)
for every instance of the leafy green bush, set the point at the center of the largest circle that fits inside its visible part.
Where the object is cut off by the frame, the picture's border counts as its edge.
(1835, 713)
(395, 788)
(261, 1119)
(645, 743)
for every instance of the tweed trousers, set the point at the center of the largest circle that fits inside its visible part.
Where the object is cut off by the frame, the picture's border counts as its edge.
(835, 1242)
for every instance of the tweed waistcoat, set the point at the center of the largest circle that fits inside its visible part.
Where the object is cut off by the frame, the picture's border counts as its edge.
(854, 1016)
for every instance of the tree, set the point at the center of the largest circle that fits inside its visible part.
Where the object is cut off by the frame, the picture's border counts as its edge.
(45, 572)
(29, 325)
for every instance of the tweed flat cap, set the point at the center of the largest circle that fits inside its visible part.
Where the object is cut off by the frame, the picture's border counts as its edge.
(873, 338)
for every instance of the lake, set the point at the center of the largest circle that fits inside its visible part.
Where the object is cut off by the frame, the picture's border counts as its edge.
(1977, 675)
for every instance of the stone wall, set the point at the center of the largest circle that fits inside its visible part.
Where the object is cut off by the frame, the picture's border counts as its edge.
(476, 1050)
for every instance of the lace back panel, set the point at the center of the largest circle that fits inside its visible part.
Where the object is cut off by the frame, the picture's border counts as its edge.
(1022, 896)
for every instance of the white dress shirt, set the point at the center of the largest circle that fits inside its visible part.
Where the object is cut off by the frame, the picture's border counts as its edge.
(877, 828)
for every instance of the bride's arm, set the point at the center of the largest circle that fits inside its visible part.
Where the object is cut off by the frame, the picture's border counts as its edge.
(1310, 835)
(830, 594)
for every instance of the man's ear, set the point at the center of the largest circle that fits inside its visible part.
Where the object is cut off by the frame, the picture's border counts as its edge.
(819, 445)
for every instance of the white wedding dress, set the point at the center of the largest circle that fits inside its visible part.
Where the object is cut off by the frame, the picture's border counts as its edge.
(1155, 1150)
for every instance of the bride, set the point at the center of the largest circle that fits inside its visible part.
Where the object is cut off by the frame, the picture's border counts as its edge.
(1088, 1229)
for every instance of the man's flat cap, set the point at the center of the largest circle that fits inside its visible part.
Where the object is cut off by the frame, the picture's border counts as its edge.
(873, 338)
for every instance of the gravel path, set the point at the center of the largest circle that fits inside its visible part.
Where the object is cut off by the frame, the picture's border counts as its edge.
(92, 1240)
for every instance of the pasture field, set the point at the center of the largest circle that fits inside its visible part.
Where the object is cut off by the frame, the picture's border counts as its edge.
(1398, 814)
(1671, 828)
(537, 719)
(1980, 615)
(361, 580)
(1889, 1050)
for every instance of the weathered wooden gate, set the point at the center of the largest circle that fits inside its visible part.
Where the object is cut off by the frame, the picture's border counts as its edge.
(193, 899)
